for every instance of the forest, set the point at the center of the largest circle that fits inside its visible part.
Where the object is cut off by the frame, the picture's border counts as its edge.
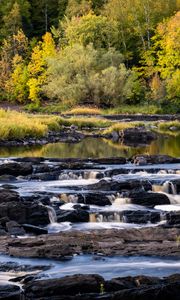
(102, 53)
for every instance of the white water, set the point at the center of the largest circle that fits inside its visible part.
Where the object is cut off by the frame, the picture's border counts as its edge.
(52, 214)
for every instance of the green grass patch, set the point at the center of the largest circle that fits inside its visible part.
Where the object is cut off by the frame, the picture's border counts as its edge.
(122, 126)
(170, 128)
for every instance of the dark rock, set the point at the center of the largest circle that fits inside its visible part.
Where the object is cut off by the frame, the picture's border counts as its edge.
(8, 196)
(10, 292)
(137, 135)
(69, 285)
(148, 199)
(33, 160)
(73, 216)
(112, 185)
(141, 216)
(16, 169)
(14, 228)
(156, 159)
(94, 199)
(30, 213)
(7, 178)
(173, 218)
(34, 229)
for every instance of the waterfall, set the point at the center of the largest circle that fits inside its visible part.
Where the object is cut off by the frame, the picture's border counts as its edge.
(52, 214)
(169, 188)
(91, 175)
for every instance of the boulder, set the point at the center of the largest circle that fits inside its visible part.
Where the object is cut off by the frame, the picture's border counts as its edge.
(16, 169)
(10, 292)
(156, 159)
(74, 216)
(7, 195)
(14, 228)
(94, 199)
(148, 199)
(69, 285)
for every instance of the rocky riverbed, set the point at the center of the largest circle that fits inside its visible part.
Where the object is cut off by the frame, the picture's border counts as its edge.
(105, 207)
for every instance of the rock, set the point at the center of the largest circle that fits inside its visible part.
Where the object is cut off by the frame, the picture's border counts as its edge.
(16, 169)
(10, 292)
(109, 160)
(32, 160)
(156, 159)
(34, 229)
(141, 216)
(173, 218)
(30, 213)
(14, 228)
(73, 216)
(140, 161)
(7, 195)
(94, 199)
(115, 185)
(137, 135)
(7, 178)
(148, 199)
(69, 285)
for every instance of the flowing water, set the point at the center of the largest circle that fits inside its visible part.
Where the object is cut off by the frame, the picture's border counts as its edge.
(72, 183)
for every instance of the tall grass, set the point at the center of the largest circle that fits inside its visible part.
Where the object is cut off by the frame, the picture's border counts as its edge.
(83, 110)
(15, 125)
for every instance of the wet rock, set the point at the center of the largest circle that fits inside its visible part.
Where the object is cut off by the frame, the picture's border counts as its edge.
(7, 195)
(30, 213)
(109, 160)
(14, 228)
(10, 292)
(74, 216)
(173, 218)
(33, 160)
(34, 229)
(94, 199)
(156, 159)
(69, 285)
(148, 199)
(137, 135)
(141, 217)
(113, 185)
(16, 169)
(7, 178)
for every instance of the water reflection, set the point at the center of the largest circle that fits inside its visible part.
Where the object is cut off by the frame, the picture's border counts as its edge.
(91, 147)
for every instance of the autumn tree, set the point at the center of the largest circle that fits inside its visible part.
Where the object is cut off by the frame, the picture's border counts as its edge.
(38, 65)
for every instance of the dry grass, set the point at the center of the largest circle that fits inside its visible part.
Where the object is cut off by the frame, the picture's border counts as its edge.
(122, 126)
(82, 110)
(15, 125)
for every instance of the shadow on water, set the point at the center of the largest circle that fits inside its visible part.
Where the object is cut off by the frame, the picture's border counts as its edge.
(92, 147)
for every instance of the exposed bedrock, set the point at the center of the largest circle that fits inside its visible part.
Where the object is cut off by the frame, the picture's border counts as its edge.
(88, 287)
(145, 241)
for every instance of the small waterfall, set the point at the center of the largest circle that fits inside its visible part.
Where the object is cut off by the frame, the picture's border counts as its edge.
(52, 214)
(90, 175)
(121, 201)
(168, 187)
(107, 217)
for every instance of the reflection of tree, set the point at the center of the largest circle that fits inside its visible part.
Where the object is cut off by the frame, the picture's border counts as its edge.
(92, 147)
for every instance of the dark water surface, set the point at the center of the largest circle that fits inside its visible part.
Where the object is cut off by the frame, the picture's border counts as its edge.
(96, 147)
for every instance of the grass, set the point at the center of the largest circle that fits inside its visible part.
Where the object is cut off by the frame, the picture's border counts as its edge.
(170, 128)
(134, 109)
(15, 125)
(122, 126)
(82, 110)
(85, 122)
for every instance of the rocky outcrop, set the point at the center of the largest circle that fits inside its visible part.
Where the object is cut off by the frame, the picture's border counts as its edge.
(144, 241)
(16, 169)
(148, 199)
(155, 159)
(89, 287)
(74, 216)
(69, 285)
(10, 292)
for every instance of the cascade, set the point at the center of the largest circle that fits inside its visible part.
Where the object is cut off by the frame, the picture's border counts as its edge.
(52, 214)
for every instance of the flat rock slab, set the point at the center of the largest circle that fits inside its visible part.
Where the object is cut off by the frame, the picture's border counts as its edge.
(150, 241)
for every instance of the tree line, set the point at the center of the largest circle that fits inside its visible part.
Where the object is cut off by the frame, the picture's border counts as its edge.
(102, 52)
